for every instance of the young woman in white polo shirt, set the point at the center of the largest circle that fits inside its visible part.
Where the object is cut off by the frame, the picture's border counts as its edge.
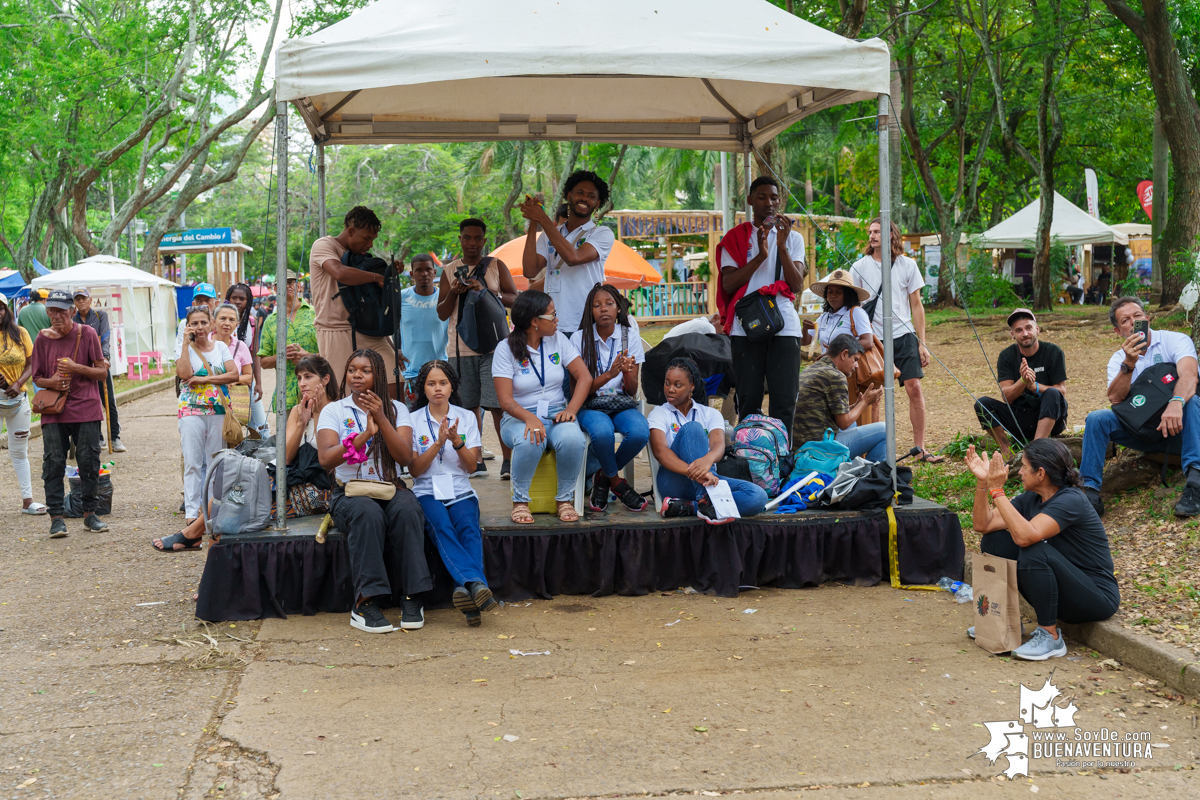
(446, 444)
(528, 369)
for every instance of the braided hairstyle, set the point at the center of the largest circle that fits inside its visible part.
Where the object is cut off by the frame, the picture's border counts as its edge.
(693, 373)
(385, 465)
(244, 320)
(447, 370)
(588, 341)
(528, 306)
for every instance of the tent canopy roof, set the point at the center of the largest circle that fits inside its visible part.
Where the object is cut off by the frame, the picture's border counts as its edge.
(698, 74)
(101, 270)
(1071, 225)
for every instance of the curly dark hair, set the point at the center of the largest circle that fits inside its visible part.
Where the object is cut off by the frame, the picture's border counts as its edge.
(385, 465)
(693, 373)
(579, 176)
(362, 218)
(317, 365)
(528, 306)
(587, 340)
(849, 299)
(451, 375)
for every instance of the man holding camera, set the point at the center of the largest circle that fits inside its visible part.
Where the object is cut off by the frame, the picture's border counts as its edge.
(1032, 375)
(1179, 430)
(475, 386)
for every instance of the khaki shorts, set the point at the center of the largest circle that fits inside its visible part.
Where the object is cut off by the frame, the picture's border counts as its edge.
(336, 347)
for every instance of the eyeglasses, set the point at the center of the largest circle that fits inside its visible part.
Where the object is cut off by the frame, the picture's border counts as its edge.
(548, 317)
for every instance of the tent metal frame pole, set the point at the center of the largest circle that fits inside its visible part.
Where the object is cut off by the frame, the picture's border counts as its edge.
(322, 222)
(885, 293)
(746, 178)
(726, 205)
(281, 309)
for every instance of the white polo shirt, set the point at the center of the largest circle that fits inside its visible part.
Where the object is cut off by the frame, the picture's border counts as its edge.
(540, 375)
(606, 351)
(669, 419)
(765, 276)
(1165, 346)
(345, 417)
(906, 279)
(568, 286)
(447, 462)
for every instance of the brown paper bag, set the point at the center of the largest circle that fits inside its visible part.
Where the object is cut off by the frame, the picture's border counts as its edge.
(997, 603)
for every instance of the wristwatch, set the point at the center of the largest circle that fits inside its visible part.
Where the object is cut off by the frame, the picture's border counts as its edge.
(1125, 367)
(461, 444)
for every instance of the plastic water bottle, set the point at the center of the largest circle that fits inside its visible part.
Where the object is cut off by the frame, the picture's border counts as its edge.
(964, 593)
(947, 585)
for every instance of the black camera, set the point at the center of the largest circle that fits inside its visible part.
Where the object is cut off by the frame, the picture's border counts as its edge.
(463, 273)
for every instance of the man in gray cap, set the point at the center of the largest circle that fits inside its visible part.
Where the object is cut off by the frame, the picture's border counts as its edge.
(67, 359)
(97, 320)
(1032, 376)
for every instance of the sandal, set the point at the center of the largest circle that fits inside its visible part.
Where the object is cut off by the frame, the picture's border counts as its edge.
(566, 511)
(521, 514)
(169, 542)
(930, 458)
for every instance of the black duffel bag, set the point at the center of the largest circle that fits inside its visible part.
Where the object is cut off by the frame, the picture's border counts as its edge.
(73, 502)
(711, 352)
(873, 492)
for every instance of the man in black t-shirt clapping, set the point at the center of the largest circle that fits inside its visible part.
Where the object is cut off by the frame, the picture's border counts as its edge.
(1032, 375)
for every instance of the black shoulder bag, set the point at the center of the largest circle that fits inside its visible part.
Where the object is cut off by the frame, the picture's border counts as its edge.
(482, 319)
(1141, 411)
(759, 313)
(618, 401)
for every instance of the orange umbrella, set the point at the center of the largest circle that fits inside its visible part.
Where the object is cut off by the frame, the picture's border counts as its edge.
(624, 269)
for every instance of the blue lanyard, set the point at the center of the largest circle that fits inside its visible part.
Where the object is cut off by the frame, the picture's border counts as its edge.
(541, 376)
(612, 352)
(684, 420)
(361, 427)
(432, 435)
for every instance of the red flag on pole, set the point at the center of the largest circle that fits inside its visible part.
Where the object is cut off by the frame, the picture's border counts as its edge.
(1145, 192)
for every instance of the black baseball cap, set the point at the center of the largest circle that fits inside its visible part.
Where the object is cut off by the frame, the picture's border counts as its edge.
(60, 299)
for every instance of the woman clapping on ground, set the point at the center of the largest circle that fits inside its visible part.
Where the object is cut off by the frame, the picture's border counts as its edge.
(204, 369)
(1064, 565)
(612, 352)
(446, 440)
(528, 370)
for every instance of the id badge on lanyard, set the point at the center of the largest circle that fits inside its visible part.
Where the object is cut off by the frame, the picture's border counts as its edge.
(543, 406)
(443, 482)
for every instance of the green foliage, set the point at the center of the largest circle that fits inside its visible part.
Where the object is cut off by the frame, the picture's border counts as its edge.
(986, 287)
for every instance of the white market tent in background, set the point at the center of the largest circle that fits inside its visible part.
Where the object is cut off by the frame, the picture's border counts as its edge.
(147, 318)
(1071, 225)
(696, 74)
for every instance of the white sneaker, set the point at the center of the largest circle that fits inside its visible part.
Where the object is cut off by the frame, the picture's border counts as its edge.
(118, 447)
(488, 455)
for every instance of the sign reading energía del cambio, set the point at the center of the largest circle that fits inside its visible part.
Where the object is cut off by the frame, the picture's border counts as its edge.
(203, 236)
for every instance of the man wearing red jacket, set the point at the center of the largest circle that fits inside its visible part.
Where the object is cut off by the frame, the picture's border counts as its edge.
(766, 256)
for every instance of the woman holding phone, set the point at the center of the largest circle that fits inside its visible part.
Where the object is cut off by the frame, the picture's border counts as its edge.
(612, 352)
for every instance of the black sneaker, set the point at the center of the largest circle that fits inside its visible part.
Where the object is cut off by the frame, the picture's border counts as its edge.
(480, 470)
(677, 507)
(1093, 496)
(412, 614)
(706, 512)
(598, 497)
(94, 524)
(474, 618)
(1189, 502)
(58, 528)
(506, 469)
(628, 496)
(367, 617)
(481, 596)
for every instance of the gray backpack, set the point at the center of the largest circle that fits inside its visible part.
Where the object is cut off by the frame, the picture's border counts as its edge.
(240, 491)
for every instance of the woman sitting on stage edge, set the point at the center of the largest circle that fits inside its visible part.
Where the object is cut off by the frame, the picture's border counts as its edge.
(365, 440)
(687, 440)
(528, 371)
(447, 442)
(1064, 566)
(611, 351)
(318, 388)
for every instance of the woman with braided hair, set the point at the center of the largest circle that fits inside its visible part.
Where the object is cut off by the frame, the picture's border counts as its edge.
(241, 298)
(366, 439)
(612, 352)
(688, 439)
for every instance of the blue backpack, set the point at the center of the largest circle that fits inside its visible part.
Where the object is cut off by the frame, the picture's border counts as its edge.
(763, 442)
(823, 456)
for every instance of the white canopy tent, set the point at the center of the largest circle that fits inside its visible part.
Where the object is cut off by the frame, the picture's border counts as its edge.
(698, 74)
(1071, 225)
(147, 318)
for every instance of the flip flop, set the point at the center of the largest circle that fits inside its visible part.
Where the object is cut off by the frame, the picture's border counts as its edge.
(169, 542)
(34, 509)
(930, 458)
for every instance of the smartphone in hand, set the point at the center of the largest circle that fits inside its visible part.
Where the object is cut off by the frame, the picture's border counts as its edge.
(1142, 326)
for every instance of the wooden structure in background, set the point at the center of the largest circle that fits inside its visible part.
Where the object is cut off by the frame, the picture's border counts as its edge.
(228, 262)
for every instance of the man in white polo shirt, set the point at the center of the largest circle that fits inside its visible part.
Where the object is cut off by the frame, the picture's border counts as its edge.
(573, 253)
(1180, 428)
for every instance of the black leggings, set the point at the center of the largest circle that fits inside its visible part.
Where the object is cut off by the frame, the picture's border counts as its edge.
(1056, 588)
(386, 543)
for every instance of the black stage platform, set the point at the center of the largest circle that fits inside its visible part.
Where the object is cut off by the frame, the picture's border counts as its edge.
(268, 574)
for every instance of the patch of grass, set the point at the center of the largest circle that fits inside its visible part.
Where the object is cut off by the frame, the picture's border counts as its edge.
(953, 486)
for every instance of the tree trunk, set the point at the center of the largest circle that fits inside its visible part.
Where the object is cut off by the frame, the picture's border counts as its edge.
(1042, 298)
(515, 193)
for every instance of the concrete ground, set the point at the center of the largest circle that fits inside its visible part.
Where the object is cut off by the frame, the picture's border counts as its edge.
(865, 693)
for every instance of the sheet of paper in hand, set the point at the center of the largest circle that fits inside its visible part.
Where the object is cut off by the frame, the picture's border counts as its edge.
(722, 500)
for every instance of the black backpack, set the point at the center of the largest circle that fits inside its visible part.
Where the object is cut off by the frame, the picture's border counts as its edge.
(1141, 410)
(482, 319)
(711, 352)
(373, 310)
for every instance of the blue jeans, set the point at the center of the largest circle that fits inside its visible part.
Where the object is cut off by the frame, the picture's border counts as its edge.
(691, 443)
(455, 531)
(600, 426)
(870, 440)
(564, 438)
(1103, 427)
